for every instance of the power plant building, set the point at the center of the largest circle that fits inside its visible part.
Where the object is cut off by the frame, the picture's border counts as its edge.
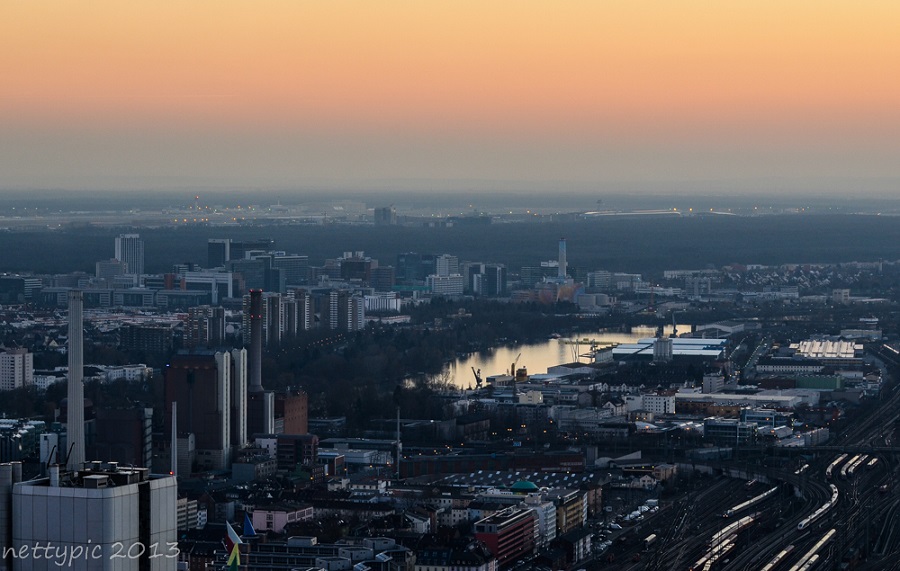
(202, 384)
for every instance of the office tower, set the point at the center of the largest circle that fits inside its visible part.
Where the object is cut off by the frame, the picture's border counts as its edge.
(385, 216)
(253, 272)
(413, 268)
(356, 266)
(109, 269)
(16, 369)
(295, 269)
(382, 278)
(201, 384)
(485, 279)
(130, 251)
(99, 513)
(446, 265)
(563, 267)
(75, 413)
(218, 251)
(240, 250)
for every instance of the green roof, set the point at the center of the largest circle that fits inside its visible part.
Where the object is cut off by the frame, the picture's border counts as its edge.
(523, 486)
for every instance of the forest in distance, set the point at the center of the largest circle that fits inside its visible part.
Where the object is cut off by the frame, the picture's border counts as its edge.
(646, 245)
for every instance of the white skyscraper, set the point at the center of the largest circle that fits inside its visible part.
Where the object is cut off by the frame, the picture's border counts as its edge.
(105, 517)
(130, 250)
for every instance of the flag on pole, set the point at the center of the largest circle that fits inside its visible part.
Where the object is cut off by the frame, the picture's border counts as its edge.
(232, 541)
(248, 526)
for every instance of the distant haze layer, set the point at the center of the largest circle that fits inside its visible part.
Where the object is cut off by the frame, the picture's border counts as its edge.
(763, 95)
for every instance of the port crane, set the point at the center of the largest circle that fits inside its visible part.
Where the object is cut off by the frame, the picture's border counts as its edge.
(478, 380)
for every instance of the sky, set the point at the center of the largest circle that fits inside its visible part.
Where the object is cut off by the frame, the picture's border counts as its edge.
(426, 95)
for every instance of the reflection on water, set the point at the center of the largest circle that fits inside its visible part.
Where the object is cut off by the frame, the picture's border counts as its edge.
(539, 356)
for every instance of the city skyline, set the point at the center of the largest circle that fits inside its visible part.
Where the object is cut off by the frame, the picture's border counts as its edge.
(763, 96)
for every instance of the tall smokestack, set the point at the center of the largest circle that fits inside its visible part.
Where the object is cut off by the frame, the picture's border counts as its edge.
(75, 415)
(173, 459)
(563, 265)
(255, 341)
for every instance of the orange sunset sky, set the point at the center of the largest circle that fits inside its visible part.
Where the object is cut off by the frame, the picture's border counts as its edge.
(166, 94)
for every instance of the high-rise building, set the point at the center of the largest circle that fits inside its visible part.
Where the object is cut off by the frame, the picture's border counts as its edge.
(295, 269)
(109, 269)
(485, 279)
(446, 265)
(382, 278)
(205, 326)
(130, 251)
(413, 268)
(295, 313)
(563, 262)
(240, 250)
(218, 251)
(99, 513)
(16, 369)
(385, 216)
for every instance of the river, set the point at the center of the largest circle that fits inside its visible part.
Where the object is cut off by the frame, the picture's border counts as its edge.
(537, 357)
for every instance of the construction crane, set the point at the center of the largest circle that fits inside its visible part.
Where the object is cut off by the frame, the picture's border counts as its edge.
(512, 368)
(674, 327)
(478, 380)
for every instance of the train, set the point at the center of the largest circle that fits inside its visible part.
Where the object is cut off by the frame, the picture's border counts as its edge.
(706, 562)
(822, 510)
(810, 558)
(852, 469)
(731, 529)
(834, 465)
(847, 466)
(778, 558)
(751, 502)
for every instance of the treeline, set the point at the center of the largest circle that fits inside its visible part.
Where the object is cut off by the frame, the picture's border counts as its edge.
(646, 245)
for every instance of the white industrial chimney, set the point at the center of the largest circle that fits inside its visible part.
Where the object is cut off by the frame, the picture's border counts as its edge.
(75, 415)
